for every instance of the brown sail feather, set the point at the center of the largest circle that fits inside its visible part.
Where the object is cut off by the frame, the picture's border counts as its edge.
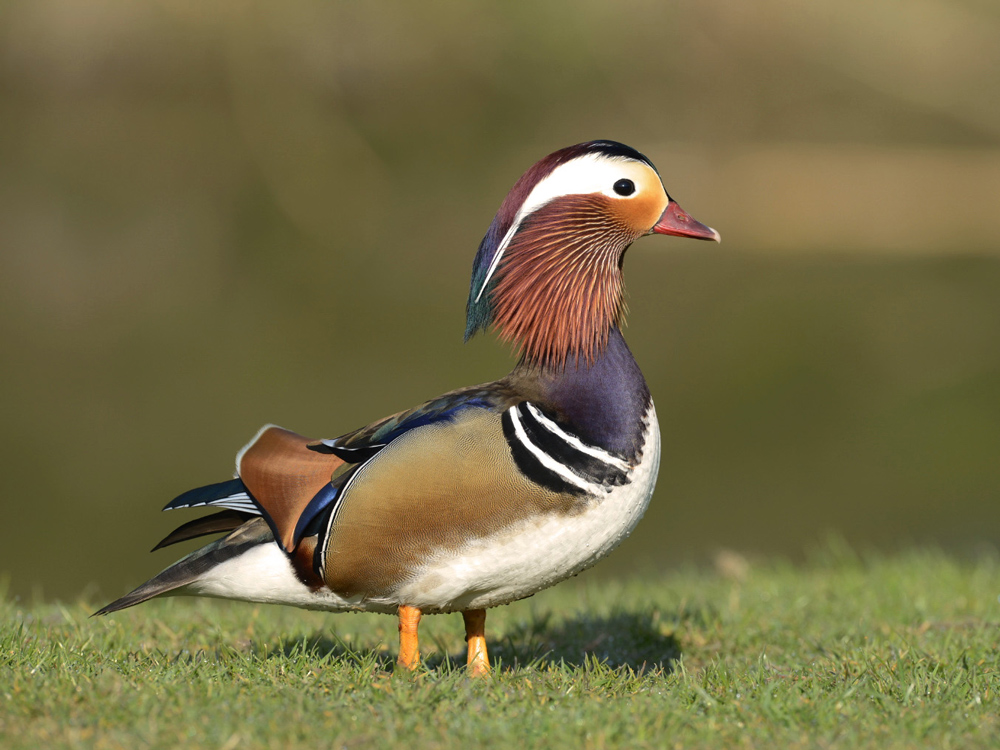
(283, 475)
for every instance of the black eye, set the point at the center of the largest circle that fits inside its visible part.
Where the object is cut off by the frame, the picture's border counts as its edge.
(624, 187)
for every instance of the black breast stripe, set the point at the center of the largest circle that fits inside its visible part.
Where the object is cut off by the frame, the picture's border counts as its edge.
(529, 464)
(584, 465)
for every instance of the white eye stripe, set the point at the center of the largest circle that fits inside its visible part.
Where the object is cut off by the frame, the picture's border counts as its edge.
(591, 173)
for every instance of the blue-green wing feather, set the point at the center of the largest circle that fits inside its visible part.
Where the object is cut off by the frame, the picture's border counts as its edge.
(368, 440)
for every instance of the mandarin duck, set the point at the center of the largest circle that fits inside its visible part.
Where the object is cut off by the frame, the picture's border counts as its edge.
(486, 494)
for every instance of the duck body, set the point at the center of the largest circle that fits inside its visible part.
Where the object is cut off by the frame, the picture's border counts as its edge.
(487, 494)
(573, 492)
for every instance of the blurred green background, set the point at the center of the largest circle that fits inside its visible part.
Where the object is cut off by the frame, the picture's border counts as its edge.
(216, 215)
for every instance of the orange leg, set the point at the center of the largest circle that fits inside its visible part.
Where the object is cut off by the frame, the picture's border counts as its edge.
(409, 652)
(475, 636)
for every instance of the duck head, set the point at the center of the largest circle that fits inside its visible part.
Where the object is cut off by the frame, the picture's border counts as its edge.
(548, 274)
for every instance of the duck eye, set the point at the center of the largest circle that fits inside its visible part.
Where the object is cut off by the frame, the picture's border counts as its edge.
(624, 187)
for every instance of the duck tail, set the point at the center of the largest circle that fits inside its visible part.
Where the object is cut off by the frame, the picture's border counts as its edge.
(189, 569)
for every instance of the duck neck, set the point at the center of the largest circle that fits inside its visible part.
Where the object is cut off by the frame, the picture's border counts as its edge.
(558, 290)
(604, 400)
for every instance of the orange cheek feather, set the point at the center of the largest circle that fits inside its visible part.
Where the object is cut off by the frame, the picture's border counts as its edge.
(641, 212)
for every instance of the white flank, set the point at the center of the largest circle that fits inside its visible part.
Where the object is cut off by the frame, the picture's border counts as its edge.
(264, 574)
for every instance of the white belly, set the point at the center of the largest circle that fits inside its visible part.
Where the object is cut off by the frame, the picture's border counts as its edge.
(264, 574)
(529, 557)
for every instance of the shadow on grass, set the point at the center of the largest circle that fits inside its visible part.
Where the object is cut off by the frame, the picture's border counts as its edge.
(622, 639)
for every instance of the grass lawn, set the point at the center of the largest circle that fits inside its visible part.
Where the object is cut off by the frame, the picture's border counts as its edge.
(849, 652)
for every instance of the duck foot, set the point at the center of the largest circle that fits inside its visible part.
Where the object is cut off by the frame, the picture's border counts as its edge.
(409, 650)
(475, 636)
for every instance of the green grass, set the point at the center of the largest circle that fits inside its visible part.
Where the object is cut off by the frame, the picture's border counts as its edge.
(844, 652)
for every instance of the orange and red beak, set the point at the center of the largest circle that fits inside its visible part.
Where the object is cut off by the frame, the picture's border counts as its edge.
(677, 222)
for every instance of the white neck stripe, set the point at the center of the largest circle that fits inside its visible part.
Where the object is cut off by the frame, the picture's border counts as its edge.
(546, 460)
(591, 450)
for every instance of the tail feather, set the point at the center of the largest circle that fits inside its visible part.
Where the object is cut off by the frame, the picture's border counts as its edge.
(231, 494)
(223, 521)
(189, 569)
